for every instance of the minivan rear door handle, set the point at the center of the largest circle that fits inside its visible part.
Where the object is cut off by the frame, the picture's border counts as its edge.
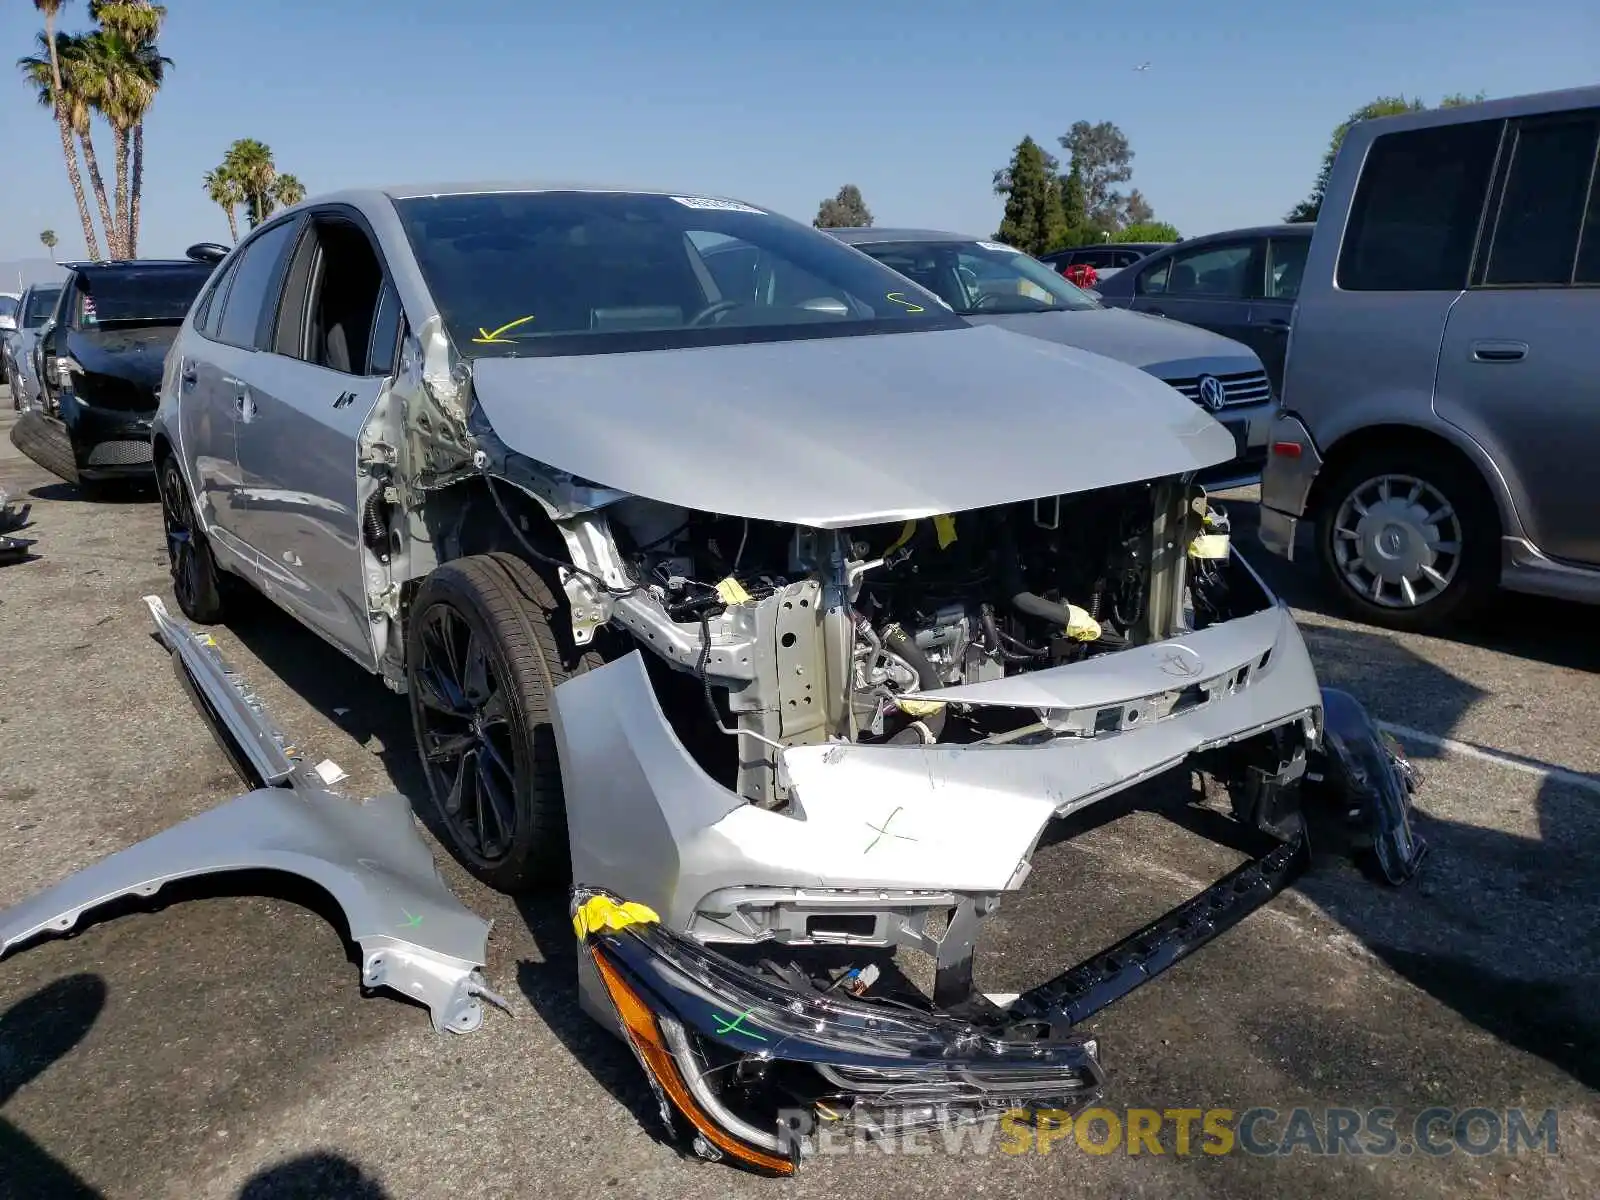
(1490, 350)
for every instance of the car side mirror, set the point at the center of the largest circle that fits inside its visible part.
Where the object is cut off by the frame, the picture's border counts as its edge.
(8, 324)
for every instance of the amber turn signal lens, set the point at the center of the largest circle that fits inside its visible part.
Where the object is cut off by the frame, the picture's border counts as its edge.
(639, 1023)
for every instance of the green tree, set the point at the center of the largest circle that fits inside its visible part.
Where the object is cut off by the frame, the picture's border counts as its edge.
(48, 237)
(1101, 156)
(134, 69)
(1147, 231)
(44, 72)
(1074, 208)
(222, 188)
(1383, 106)
(289, 191)
(844, 210)
(1034, 220)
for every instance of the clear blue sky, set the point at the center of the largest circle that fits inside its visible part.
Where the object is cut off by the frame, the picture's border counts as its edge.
(917, 103)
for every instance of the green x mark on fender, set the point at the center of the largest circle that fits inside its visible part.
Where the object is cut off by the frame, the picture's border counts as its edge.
(411, 921)
(737, 1025)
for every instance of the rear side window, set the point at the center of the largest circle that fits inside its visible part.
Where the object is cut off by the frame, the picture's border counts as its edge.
(254, 278)
(1541, 211)
(1286, 266)
(1218, 272)
(1417, 209)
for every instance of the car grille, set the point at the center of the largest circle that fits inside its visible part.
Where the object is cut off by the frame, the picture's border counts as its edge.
(1245, 387)
(119, 454)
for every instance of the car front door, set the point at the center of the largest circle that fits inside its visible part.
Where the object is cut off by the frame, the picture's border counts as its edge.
(334, 348)
(1519, 361)
(1270, 313)
(1210, 286)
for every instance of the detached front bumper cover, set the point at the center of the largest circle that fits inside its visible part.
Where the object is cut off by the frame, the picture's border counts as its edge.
(748, 1062)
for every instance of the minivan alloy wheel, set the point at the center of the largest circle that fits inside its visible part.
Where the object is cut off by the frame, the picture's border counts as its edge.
(1397, 541)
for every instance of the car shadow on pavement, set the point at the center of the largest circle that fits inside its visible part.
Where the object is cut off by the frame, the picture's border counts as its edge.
(118, 493)
(1498, 924)
(322, 1175)
(35, 1032)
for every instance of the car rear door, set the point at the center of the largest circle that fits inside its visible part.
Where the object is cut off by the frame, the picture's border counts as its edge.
(1519, 361)
(333, 353)
(1271, 312)
(215, 368)
(1210, 285)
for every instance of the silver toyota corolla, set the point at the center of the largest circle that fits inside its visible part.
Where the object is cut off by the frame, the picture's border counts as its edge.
(735, 578)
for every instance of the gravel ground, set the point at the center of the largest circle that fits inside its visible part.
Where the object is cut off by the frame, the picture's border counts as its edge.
(220, 1046)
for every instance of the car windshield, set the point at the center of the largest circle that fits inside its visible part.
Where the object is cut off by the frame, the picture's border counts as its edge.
(41, 303)
(161, 294)
(982, 278)
(570, 272)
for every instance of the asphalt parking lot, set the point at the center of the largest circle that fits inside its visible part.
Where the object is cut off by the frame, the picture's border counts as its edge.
(218, 1045)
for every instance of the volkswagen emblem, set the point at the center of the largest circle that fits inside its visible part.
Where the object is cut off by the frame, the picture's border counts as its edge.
(1212, 394)
(1180, 661)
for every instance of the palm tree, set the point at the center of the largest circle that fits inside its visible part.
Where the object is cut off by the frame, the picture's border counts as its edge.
(135, 70)
(86, 90)
(50, 85)
(224, 189)
(288, 191)
(250, 162)
(48, 237)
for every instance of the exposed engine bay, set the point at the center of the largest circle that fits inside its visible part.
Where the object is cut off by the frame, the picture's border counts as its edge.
(798, 635)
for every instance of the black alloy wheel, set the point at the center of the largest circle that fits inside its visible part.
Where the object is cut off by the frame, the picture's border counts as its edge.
(196, 582)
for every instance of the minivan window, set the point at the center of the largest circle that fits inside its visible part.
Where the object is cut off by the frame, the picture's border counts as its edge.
(1542, 207)
(1417, 209)
(258, 266)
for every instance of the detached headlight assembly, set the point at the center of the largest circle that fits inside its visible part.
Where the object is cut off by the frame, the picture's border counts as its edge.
(750, 1062)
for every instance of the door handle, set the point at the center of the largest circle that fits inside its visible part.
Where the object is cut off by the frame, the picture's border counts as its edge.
(190, 375)
(1489, 350)
(243, 406)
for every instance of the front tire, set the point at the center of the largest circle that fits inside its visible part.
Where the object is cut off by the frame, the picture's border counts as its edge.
(1409, 540)
(487, 642)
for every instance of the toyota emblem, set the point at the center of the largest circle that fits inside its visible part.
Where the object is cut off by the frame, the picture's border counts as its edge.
(1212, 394)
(1181, 662)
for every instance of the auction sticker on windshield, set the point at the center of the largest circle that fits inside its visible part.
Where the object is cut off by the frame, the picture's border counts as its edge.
(706, 202)
(999, 248)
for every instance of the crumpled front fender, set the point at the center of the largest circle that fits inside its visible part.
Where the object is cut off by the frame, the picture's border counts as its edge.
(415, 937)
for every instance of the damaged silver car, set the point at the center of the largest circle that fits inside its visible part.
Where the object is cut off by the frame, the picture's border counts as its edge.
(761, 596)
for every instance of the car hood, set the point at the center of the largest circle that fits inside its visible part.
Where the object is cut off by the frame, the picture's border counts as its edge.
(135, 354)
(1162, 347)
(840, 431)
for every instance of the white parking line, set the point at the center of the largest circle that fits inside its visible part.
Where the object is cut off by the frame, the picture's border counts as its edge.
(1499, 758)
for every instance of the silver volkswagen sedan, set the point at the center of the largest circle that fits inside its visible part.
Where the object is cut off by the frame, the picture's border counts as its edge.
(704, 545)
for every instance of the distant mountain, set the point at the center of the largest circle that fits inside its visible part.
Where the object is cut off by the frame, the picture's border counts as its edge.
(20, 272)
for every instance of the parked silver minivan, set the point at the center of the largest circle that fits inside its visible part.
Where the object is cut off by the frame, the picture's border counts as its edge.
(1441, 401)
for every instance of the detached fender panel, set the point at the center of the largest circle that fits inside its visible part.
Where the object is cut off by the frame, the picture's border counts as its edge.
(415, 937)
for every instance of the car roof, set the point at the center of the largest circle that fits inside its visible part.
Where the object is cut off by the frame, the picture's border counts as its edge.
(1297, 229)
(868, 234)
(412, 191)
(105, 266)
(1527, 104)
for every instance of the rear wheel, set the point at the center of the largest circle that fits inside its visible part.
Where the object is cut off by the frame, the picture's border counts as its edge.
(487, 642)
(1409, 539)
(199, 585)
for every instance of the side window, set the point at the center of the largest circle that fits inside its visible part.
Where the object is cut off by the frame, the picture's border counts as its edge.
(1153, 282)
(1286, 265)
(1214, 271)
(1588, 268)
(210, 310)
(385, 332)
(1552, 163)
(254, 281)
(331, 300)
(1417, 208)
